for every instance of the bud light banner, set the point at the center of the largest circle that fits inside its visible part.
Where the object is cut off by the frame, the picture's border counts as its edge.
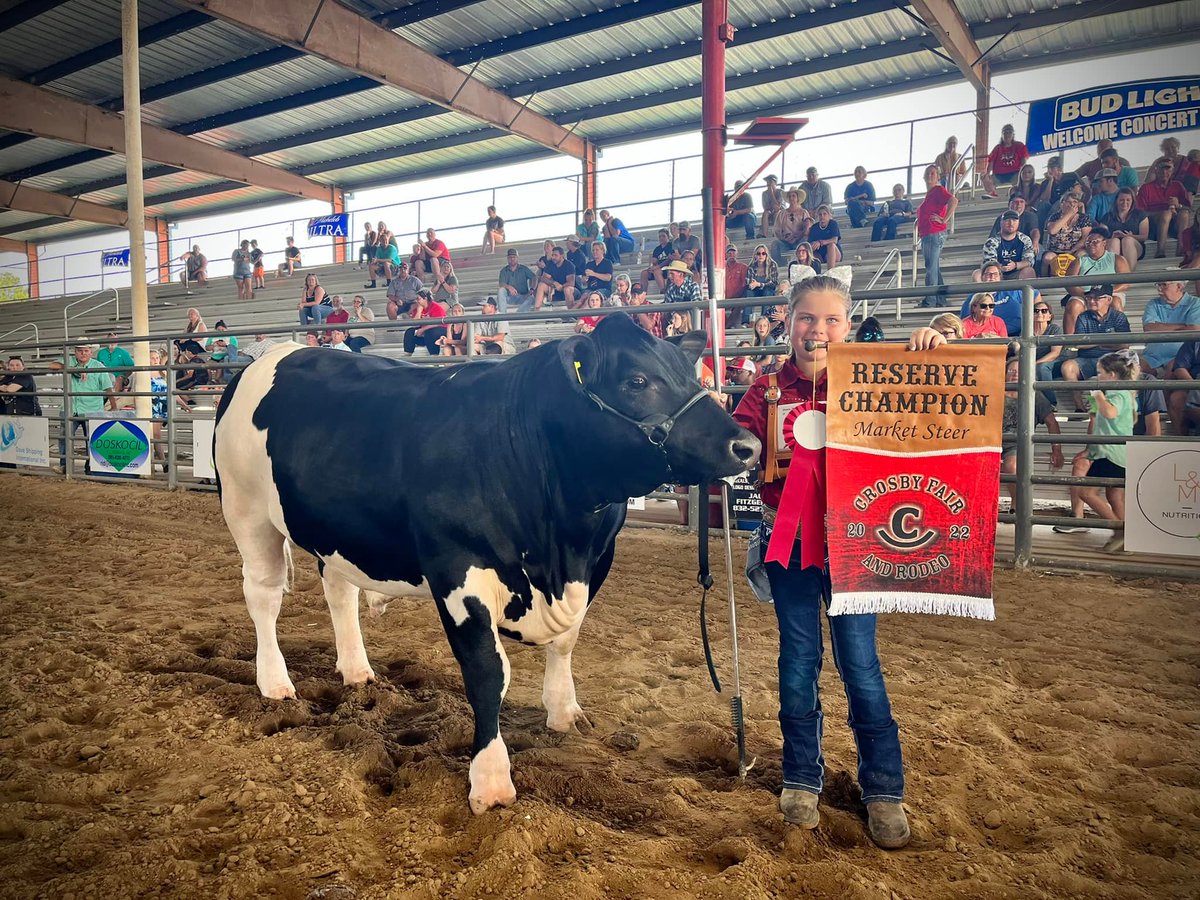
(1113, 112)
(115, 259)
(913, 469)
(335, 225)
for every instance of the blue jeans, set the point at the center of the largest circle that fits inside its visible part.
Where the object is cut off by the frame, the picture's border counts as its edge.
(858, 210)
(524, 302)
(884, 227)
(745, 221)
(798, 602)
(79, 424)
(931, 255)
(616, 246)
(315, 314)
(1045, 372)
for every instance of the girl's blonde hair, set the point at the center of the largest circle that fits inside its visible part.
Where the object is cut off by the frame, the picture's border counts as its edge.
(980, 297)
(947, 321)
(818, 285)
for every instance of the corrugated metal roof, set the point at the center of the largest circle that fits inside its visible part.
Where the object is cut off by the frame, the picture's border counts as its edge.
(364, 158)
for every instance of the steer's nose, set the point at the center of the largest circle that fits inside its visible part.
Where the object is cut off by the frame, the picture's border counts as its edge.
(746, 449)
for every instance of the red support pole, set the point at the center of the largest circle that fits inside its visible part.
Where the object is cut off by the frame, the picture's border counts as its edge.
(338, 205)
(31, 264)
(589, 176)
(162, 241)
(716, 32)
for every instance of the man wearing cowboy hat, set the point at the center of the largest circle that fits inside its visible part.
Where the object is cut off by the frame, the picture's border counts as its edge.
(681, 287)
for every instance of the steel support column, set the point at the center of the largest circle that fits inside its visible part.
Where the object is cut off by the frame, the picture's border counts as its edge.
(983, 118)
(715, 33)
(31, 271)
(589, 176)
(162, 242)
(135, 202)
(337, 205)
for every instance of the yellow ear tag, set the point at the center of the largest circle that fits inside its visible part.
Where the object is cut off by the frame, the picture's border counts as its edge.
(578, 371)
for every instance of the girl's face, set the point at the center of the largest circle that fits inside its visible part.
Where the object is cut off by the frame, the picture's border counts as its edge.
(820, 316)
(762, 326)
(548, 247)
(1124, 203)
(1104, 375)
(595, 301)
(802, 255)
(310, 281)
(1028, 173)
(678, 321)
(823, 216)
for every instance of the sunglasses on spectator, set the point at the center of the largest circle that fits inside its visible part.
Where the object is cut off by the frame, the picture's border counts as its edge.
(1042, 312)
(760, 253)
(985, 305)
(872, 337)
(950, 333)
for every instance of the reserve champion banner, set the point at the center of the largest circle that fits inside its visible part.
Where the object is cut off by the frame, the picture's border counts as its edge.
(1113, 112)
(913, 468)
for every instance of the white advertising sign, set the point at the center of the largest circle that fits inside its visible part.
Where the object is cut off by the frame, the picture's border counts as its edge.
(119, 446)
(637, 503)
(25, 441)
(202, 444)
(1162, 497)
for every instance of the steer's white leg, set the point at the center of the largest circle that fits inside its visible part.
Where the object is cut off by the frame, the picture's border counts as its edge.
(563, 712)
(264, 577)
(342, 597)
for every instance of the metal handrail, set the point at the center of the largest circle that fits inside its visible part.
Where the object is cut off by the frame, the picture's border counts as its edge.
(36, 334)
(969, 153)
(893, 255)
(116, 298)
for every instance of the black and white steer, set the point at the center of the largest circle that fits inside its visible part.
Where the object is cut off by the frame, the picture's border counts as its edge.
(499, 487)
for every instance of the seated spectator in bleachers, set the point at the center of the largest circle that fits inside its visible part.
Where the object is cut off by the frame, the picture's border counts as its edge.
(577, 256)
(1064, 236)
(366, 252)
(1101, 262)
(1043, 413)
(222, 328)
(1099, 318)
(314, 303)
(678, 323)
(1168, 204)
(870, 332)
(1128, 228)
(1054, 186)
(492, 337)
(1170, 148)
(114, 356)
(616, 237)
(1027, 222)
(386, 263)
(312, 339)
(1151, 406)
(949, 326)
(791, 225)
(1091, 169)
(291, 260)
(195, 322)
(622, 292)
(432, 251)
(557, 282)
(402, 291)
(950, 164)
(1026, 186)
(598, 271)
(588, 230)
(1127, 175)
(736, 274)
(547, 249)
(762, 333)
(454, 342)
(682, 288)
(741, 214)
(685, 242)
(826, 238)
(221, 351)
(896, 212)
(659, 257)
(762, 280)
(1004, 162)
(517, 283)
(692, 261)
(1184, 404)
(779, 322)
(816, 191)
(338, 314)
(337, 339)
(259, 273)
(803, 264)
(243, 271)
(360, 314)
(195, 267)
(1189, 245)
(257, 347)
(860, 198)
(493, 232)
(982, 321)
(772, 203)
(646, 320)
(425, 307)
(1174, 309)
(740, 371)
(190, 379)
(1010, 249)
(1044, 324)
(1008, 301)
(445, 283)
(1103, 196)
(592, 300)
(1188, 172)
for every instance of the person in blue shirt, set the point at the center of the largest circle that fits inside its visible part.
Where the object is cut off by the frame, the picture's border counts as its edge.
(826, 237)
(892, 214)
(860, 198)
(617, 239)
(1008, 303)
(1174, 309)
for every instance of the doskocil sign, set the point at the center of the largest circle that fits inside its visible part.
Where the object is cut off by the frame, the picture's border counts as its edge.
(1113, 112)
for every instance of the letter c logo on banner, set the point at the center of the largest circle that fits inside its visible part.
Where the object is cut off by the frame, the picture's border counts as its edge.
(900, 533)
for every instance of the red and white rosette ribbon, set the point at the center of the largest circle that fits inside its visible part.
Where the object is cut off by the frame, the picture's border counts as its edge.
(802, 504)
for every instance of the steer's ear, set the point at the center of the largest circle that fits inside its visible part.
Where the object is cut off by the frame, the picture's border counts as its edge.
(578, 356)
(692, 344)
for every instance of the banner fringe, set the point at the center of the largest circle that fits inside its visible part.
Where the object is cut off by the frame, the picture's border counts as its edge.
(860, 603)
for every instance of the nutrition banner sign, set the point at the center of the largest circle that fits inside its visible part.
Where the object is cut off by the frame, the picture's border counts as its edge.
(1113, 112)
(913, 469)
(119, 446)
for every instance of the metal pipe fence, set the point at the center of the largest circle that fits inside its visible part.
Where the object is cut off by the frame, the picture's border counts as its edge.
(185, 405)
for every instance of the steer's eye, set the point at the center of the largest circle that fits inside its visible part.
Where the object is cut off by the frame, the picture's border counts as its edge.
(637, 383)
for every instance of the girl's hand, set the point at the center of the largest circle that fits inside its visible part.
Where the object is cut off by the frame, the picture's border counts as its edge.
(925, 339)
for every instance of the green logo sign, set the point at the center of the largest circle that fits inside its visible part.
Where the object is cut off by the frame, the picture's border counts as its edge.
(119, 444)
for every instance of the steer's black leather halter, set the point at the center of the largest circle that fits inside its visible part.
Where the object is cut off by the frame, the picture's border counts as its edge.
(656, 427)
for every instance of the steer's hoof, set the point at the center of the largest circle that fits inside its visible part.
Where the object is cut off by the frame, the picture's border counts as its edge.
(496, 795)
(352, 675)
(572, 719)
(278, 690)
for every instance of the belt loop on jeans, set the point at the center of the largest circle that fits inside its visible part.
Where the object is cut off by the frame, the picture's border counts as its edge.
(768, 514)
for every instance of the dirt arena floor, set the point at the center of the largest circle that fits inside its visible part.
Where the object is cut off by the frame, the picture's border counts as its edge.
(1051, 754)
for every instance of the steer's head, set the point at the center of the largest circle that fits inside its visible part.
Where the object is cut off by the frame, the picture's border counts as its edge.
(647, 420)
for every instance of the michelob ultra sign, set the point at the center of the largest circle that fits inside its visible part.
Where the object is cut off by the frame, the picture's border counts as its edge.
(333, 225)
(1113, 112)
(115, 259)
